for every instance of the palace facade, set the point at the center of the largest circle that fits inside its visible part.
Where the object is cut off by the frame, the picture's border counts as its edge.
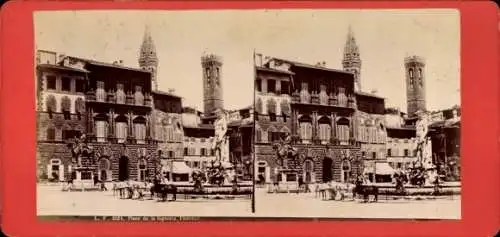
(320, 113)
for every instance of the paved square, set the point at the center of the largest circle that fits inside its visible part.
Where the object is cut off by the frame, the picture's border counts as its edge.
(52, 201)
(307, 205)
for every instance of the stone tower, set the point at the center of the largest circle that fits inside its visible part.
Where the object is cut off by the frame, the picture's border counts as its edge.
(415, 84)
(147, 59)
(351, 61)
(212, 84)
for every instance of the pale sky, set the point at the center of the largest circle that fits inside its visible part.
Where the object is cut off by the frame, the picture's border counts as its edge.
(309, 36)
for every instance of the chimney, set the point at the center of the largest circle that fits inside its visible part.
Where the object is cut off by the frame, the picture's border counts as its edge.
(61, 57)
(258, 59)
(120, 62)
(171, 90)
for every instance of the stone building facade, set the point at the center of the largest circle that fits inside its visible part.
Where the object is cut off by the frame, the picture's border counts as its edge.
(168, 128)
(272, 118)
(60, 114)
(322, 116)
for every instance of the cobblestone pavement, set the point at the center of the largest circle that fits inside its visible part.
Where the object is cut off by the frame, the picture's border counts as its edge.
(52, 201)
(307, 205)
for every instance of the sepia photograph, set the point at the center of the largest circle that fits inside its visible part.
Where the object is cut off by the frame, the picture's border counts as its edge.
(143, 113)
(357, 114)
(249, 113)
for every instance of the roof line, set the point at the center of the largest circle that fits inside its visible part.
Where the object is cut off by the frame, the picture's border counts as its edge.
(299, 64)
(100, 63)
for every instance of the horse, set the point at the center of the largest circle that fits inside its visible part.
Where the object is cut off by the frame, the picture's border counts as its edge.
(366, 191)
(162, 190)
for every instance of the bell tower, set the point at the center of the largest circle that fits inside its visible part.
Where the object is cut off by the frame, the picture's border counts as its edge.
(351, 61)
(212, 83)
(147, 58)
(415, 84)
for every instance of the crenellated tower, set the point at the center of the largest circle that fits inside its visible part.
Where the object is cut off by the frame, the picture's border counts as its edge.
(351, 61)
(415, 84)
(212, 84)
(148, 59)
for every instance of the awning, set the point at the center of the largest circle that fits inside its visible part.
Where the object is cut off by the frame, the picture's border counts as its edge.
(180, 167)
(176, 167)
(383, 169)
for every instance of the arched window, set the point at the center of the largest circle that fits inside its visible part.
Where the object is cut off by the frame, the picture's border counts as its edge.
(121, 127)
(51, 104)
(101, 127)
(142, 170)
(258, 133)
(410, 72)
(271, 109)
(343, 129)
(140, 129)
(285, 110)
(258, 106)
(325, 129)
(79, 106)
(66, 107)
(120, 94)
(305, 128)
(420, 77)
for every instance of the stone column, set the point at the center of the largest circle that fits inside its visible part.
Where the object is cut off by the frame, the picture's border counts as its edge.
(314, 125)
(90, 120)
(111, 121)
(333, 133)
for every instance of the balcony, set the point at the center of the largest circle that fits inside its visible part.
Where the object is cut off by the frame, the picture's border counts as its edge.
(111, 99)
(113, 140)
(331, 142)
(334, 100)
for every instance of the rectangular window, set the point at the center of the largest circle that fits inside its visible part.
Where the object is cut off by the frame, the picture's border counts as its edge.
(406, 152)
(271, 86)
(291, 177)
(70, 134)
(51, 134)
(272, 117)
(203, 152)
(66, 115)
(80, 86)
(258, 85)
(389, 152)
(101, 130)
(121, 132)
(66, 84)
(140, 133)
(86, 175)
(51, 82)
(363, 154)
(186, 151)
(374, 155)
